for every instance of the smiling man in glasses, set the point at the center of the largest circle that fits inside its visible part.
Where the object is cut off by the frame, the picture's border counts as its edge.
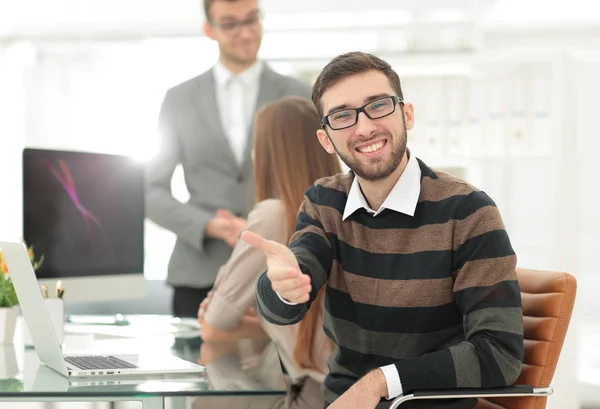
(205, 125)
(420, 273)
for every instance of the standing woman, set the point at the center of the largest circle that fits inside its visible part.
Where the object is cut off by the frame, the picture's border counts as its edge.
(287, 159)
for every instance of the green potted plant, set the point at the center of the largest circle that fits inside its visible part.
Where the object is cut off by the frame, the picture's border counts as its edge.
(8, 309)
(11, 385)
(9, 301)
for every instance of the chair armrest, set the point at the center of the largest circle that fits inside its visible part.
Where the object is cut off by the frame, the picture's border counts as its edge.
(509, 391)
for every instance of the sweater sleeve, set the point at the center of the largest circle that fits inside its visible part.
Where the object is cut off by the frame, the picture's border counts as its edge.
(487, 293)
(312, 249)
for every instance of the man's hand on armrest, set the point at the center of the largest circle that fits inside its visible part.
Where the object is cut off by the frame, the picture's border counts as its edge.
(364, 394)
(286, 301)
(287, 280)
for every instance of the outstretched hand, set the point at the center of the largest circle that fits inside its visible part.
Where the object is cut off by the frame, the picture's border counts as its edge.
(282, 269)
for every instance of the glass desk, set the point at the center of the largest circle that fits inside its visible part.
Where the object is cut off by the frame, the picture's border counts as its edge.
(245, 368)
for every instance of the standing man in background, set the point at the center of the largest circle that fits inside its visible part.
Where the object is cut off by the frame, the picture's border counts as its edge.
(205, 125)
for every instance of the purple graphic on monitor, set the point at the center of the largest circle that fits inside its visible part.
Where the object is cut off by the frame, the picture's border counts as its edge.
(66, 180)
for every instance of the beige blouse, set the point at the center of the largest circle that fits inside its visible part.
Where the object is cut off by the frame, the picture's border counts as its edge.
(234, 290)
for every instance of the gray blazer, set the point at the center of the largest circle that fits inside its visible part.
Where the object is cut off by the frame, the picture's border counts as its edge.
(191, 134)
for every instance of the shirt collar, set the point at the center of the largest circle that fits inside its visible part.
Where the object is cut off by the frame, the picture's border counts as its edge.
(251, 74)
(403, 197)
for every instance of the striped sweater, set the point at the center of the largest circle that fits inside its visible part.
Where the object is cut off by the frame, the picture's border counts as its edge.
(435, 294)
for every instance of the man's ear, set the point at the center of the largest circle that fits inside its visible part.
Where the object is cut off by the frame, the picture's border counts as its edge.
(409, 115)
(325, 141)
(208, 30)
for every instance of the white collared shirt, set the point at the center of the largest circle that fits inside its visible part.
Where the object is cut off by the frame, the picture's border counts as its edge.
(402, 198)
(236, 100)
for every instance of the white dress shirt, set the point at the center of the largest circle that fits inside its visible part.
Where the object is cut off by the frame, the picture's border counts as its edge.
(236, 98)
(403, 198)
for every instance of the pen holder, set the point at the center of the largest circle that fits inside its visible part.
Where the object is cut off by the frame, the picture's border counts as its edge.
(56, 309)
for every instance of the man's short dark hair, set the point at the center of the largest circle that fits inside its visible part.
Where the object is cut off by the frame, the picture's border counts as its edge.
(349, 64)
(208, 5)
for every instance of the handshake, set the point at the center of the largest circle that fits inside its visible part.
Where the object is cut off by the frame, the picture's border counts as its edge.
(282, 269)
(225, 226)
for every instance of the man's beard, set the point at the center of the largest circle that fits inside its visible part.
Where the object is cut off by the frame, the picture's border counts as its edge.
(382, 169)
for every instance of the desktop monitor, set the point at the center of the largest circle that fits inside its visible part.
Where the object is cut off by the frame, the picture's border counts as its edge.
(84, 212)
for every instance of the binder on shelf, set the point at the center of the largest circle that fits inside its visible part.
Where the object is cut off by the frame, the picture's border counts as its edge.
(455, 97)
(496, 130)
(519, 121)
(476, 106)
(541, 127)
(432, 132)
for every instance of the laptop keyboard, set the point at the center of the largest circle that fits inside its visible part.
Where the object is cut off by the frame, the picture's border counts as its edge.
(99, 362)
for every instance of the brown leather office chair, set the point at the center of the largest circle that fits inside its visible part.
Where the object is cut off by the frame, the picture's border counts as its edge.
(548, 299)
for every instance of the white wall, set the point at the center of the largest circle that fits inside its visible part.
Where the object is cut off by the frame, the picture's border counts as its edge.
(12, 140)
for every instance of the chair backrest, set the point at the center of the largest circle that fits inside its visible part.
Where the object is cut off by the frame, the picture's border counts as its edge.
(548, 298)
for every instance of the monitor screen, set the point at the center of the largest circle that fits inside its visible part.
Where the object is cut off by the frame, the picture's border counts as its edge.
(84, 212)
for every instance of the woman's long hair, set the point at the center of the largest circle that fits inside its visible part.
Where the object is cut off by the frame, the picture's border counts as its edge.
(288, 159)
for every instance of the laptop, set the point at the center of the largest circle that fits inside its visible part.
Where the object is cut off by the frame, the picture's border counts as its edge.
(47, 380)
(46, 342)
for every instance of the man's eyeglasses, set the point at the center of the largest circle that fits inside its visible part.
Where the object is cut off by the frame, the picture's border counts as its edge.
(376, 109)
(232, 27)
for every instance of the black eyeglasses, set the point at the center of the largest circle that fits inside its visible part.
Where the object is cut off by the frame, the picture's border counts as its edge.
(232, 27)
(376, 109)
